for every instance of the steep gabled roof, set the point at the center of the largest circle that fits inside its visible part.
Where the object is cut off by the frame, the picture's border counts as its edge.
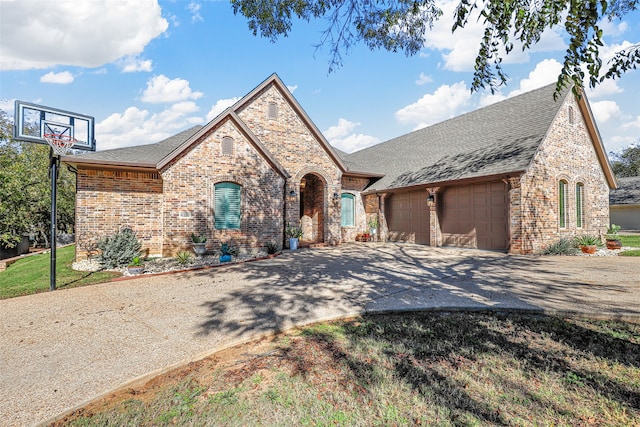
(495, 140)
(498, 139)
(627, 193)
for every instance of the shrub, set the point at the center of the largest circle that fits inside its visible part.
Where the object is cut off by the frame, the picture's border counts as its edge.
(228, 249)
(563, 246)
(118, 250)
(198, 239)
(184, 258)
(272, 248)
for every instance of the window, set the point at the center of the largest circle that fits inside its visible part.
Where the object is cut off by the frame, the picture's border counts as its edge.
(227, 206)
(348, 210)
(570, 115)
(226, 148)
(562, 203)
(579, 205)
(272, 111)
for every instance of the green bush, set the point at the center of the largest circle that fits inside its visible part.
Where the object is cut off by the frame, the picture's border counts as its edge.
(272, 248)
(588, 240)
(563, 246)
(118, 250)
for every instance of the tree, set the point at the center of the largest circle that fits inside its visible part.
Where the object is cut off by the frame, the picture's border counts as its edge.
(401, 25)
(627, 162)
(25, 190)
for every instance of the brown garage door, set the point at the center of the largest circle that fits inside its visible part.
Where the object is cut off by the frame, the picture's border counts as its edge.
(408, 217)
(475, 216)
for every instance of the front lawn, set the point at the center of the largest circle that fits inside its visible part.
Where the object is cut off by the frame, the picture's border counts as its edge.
(411, 369)
(30, 275)
(630, 241)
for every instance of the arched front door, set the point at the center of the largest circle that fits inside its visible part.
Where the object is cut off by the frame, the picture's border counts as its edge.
(312, 201)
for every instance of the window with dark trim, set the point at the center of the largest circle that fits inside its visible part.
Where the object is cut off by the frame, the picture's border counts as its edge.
(226, 148)
(579, 205)
(562, 203)
(348, 210)
(227, 206)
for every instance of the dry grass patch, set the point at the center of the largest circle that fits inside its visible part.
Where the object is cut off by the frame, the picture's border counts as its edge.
(405, 369)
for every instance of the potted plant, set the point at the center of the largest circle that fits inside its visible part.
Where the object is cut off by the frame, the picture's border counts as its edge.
(199, 244)
(294, 234)
(612, 237)
(227, 251)
(588, 243)
(136, 266)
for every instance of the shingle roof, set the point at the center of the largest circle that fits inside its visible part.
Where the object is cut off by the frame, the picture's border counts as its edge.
(627, 193)
(148, 155)
(498, 139)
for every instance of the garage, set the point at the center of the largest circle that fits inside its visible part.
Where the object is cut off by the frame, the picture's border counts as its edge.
(475, 216)
(407, 217)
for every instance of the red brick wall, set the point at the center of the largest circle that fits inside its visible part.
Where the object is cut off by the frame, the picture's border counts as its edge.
(567, 153)
(108, 200)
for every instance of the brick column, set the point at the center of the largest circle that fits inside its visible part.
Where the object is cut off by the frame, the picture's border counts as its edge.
(383, 228)
(515, 216)
(434, 222)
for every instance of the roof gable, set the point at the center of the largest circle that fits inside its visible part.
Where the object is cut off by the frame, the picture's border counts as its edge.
(499, 139)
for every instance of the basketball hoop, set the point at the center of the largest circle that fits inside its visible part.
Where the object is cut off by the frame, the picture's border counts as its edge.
(61, 144)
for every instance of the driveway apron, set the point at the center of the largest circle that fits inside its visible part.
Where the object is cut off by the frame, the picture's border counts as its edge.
(62, 349)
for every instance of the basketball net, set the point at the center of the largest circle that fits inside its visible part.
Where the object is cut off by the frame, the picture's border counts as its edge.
(60, 144)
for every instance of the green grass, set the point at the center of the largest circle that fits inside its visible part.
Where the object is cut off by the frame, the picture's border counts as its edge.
(630, 241)
(443, 369)
(30, 275)
(635, 252)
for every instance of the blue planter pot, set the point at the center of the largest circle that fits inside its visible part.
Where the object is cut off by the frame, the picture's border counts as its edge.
(225, 258)
(293, 243)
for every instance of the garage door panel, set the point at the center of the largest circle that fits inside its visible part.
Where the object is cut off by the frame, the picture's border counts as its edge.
(475, 216)
(408, 217)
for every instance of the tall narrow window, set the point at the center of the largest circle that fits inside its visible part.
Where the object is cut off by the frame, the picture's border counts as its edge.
(348, 210)
(562, 203)
(272, 111)
(227, 206)
(226, 148)
(570, 115)
(579, 205)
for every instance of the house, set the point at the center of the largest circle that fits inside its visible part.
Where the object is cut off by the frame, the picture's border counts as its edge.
(512, 176)
(624, 203)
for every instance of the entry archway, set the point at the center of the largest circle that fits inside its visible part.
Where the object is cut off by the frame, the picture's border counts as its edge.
(312, 208)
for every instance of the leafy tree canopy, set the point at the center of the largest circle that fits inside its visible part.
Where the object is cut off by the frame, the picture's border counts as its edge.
(25, 190)
(402, 25)
(627, 162)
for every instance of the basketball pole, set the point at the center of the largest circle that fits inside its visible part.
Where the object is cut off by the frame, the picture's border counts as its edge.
(54, 162)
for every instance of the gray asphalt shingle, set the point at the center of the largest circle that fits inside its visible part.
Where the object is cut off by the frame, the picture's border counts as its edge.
(627, 193)
(497, 139)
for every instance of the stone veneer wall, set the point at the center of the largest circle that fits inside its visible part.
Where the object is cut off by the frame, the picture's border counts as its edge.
(290, 141)
(108, 200)
(354, 185)
(567, 153)
(189, 194)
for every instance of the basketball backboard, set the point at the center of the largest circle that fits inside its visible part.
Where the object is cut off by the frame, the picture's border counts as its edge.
(33, 121)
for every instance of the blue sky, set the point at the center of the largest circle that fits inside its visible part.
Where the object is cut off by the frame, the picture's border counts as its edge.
(147, 69)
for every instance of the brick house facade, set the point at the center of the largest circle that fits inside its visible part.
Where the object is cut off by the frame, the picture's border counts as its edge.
(499, 190)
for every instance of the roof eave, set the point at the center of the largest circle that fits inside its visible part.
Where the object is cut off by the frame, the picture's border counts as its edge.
(72, 160)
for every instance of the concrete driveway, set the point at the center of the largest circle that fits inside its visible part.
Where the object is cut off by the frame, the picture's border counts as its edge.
(61, 349)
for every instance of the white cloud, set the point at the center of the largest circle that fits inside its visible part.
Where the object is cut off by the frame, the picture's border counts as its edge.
(446, 102)
(545, 72)
(460, 49)
(292, 88)
(220, 106)
(63, 78)
(604, 110)
(632, 124)
(132, 64)
(7, 105)
(194, 8)
(42, 34)
(341, 137)
(424, 79)
(161, 89)
(139, 127)
(606, 88)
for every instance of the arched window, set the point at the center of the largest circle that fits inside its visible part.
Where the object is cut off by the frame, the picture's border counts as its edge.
(348, 210)
(227, 206)
(226, 148)
(562, 203)
(579, 205)
(571, 115)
